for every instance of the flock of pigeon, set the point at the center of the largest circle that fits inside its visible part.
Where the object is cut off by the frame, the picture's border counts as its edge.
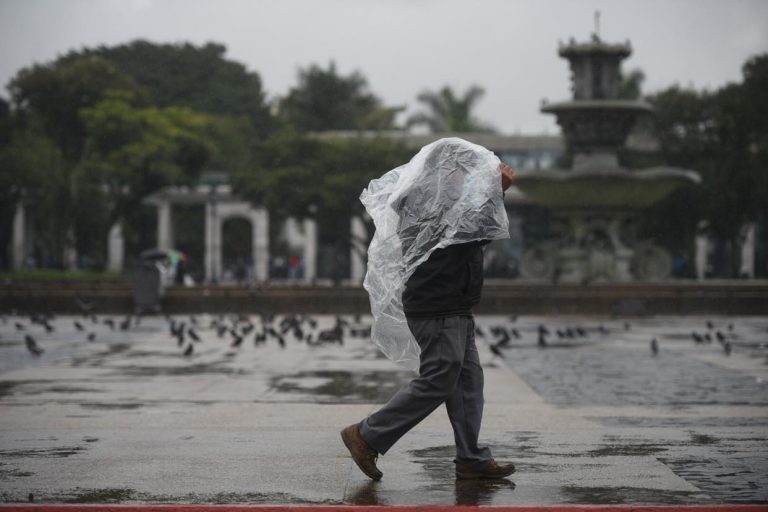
(235, 330)
(500, 336)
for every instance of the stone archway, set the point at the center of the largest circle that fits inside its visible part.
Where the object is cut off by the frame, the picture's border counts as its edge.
(220, 205)
(216, 213)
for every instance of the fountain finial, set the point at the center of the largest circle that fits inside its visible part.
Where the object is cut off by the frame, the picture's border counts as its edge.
(596, 34)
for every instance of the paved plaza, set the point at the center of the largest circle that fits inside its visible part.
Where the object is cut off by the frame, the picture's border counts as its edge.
(588, 414)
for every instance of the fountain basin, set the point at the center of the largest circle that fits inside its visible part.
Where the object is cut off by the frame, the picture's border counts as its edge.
(603, 189)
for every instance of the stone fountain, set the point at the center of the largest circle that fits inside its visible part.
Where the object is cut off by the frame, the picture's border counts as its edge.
(595, 204)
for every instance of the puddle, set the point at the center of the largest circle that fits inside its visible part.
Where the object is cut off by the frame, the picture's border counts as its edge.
(703, 439)
(12, 472)
(742, 479)
(331, 386)
(44, 453)
(61, 389)
(615, 377)
(629, 495)
(651, 422)
(7, 386)
(193, 369)
(111, 405)
(125, 495)
(626, 450)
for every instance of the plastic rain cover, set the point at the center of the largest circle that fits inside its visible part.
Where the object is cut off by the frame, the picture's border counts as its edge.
(449, 193)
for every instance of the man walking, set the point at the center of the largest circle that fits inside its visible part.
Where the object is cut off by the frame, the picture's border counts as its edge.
(447, 210)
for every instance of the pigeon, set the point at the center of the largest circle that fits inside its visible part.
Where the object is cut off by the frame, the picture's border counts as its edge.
(237, 340)
(654, 347)
(515, 333)
(697, 337)
(720, 336)
(32, 346)
(193, 334)
(542, 340)
(479, 332)
(190, 350)
(125, 324)
(91, 336)
(79, 326)
(496, 350)
(727, 348)
(85, 307)
(543, 330)
(710, 325)
(19, 326)
(111, 323)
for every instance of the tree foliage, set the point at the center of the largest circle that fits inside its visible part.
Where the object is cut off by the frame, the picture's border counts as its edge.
(325, 100)
(723, 136)
(449, 112)
(183, 75)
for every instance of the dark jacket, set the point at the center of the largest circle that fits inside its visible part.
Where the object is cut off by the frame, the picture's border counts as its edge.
(447, 284)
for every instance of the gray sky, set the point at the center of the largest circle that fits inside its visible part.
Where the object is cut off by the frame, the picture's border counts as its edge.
(509, 47)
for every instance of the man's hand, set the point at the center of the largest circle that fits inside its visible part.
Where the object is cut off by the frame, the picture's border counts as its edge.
(507, 175)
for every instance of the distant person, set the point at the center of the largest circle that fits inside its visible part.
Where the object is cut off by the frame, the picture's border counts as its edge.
(455, 187)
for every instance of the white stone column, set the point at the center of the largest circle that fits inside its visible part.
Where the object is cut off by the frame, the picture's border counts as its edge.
(115, 248)
(70, 251)
(260, 222)
(358, 234)
(19, 237)
(748, 252)
(164, 226)
(310, 249)
(210, 245)
(702, 255)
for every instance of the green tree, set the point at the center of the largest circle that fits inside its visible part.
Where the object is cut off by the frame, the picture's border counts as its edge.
(719, 135)
(183, 75)
(55, 93)
(133, 151)
(34, 170)
(303, 176)
(326, 100)
(448, 112)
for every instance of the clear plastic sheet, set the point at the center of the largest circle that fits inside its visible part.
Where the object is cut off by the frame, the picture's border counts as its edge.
(449, 193)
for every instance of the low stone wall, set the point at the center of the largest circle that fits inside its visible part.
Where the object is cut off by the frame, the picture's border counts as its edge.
(676, 298)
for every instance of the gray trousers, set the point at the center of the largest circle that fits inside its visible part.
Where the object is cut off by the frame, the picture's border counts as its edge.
(449, 373)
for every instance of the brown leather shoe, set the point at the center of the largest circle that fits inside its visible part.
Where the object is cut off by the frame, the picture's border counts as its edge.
(363, 455)
(492, 471)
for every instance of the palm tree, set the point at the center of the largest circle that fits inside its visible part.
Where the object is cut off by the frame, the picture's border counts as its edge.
(449, 113)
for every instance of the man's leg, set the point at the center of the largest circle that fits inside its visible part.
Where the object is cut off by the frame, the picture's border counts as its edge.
(465, 405)
(442, 342)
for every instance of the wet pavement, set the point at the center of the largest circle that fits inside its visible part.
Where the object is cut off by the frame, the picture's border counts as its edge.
(589, 415)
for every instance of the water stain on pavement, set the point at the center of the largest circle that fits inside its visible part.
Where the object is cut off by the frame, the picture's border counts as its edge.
(127, 495)
(628, 495)
(193, 369)
(45, 453)
(339, 385)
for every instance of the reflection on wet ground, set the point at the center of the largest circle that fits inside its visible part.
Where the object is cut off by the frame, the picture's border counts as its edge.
(723, 457)
(445, 490)
(337, 386)
(614, 376)
(674, 397)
